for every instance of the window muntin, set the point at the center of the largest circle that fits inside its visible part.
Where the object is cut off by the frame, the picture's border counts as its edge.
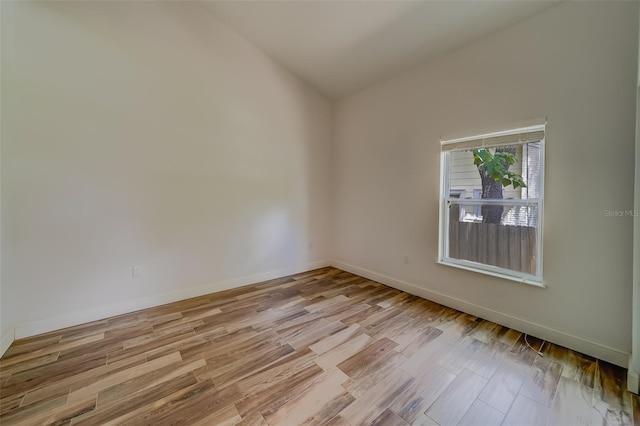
(481, 231)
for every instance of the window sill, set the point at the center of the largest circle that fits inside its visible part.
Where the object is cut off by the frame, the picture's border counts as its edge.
(520, 278)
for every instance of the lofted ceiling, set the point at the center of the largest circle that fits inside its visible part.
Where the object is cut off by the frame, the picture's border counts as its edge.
(340, 47)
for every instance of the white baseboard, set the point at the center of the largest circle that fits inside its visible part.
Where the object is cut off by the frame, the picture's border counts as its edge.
(586, 346)
(7, 340)
(606, 353)
(94, 314)
(633, 381)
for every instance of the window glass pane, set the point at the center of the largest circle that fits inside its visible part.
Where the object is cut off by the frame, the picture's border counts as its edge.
(473, 173)
(531, 162)
(503, 235)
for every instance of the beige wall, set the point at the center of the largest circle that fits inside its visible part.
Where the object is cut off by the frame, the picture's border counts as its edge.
(574, 64)
(149, 134)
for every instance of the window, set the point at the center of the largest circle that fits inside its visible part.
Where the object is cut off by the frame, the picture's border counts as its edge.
(492, 203)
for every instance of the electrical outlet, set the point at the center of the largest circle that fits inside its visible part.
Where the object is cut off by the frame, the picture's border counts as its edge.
(135, 271)
(406, 260)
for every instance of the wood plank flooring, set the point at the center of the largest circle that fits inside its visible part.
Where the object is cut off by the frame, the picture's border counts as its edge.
(321, 348)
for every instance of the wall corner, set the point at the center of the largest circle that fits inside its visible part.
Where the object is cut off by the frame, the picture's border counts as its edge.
(633, 380)
(7, 339)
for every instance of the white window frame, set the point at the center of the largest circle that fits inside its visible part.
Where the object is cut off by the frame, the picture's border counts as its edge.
(446, 201)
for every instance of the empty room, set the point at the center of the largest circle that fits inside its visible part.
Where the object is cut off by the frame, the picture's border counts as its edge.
(320, 212)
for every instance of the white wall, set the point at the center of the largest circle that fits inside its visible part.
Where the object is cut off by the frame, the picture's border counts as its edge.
(149, 134)
(5, 334)
(634, 363)
(574, 64)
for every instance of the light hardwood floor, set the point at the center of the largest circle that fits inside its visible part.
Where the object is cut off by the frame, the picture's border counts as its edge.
(323, 347)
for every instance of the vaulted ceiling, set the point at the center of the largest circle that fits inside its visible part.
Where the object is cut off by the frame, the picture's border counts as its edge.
(340, 47)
